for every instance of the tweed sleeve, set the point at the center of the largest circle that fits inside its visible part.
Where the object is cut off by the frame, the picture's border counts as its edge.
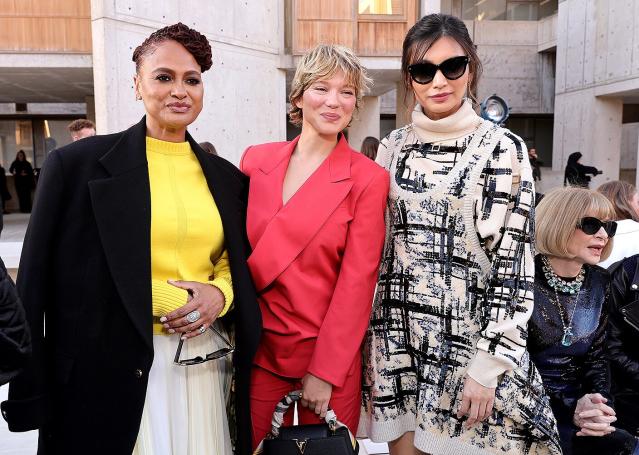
(505, 224)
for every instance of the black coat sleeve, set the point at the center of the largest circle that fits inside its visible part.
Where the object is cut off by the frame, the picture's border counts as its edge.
(15, 341)
(25, 409)
(596, 366)
(620, 353)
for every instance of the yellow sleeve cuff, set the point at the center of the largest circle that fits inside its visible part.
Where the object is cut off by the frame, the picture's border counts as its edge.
(227, 290)
(167, 298)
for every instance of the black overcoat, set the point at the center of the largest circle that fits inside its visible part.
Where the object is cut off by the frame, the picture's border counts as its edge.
(86, 268)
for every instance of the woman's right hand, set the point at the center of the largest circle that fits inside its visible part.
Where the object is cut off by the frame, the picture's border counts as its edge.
(593, 416)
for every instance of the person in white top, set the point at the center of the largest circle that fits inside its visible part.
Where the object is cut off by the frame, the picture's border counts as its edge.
(625, 199)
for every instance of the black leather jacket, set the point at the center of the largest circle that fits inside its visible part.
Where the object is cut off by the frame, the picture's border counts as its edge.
(569, 372)
(623, 345)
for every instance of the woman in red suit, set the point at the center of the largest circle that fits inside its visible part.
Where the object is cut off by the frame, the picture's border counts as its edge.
(315, 222)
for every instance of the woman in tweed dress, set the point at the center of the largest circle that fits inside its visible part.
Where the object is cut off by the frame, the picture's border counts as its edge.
(447, 370)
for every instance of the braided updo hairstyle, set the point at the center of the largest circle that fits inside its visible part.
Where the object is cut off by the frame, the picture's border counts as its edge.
(194, 42)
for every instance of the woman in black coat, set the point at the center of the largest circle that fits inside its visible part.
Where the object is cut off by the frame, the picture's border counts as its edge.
(623, 349)
(567, 329)
(576, 174)
(23, 180)
(88, 264)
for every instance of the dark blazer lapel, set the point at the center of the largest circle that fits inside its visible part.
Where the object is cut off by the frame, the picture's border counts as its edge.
(122, 209)
(298, 221)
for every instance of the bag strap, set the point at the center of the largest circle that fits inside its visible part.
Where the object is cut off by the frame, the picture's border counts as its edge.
(283, 406)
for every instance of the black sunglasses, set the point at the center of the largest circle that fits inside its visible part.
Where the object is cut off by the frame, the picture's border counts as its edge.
(591, 225)
(424, 72)
(228, 349)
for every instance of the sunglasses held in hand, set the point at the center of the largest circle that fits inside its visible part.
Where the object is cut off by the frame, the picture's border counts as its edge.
(452, 69)
(223, 352)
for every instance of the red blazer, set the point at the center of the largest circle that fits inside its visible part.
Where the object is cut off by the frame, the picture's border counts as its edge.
(315, 259)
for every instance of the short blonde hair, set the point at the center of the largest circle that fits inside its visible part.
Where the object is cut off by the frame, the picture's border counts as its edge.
(323, 62)
(558, 214)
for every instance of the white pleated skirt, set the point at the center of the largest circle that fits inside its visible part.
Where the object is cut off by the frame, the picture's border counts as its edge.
(185, 406)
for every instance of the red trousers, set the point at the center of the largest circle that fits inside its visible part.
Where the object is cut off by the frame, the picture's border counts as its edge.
(267, 389)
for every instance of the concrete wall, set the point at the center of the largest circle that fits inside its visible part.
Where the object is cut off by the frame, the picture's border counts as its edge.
(629, 145)
(513, 66)
(597, 66)
(244, 90)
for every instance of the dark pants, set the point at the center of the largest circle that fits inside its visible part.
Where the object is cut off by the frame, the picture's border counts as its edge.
(23, 188)
(619, 442)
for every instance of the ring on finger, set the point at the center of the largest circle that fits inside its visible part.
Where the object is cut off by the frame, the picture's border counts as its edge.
(202, 329)
(193, 316)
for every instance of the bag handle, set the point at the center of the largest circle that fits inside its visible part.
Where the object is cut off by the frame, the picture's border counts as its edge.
(283, 406)
(285, 403)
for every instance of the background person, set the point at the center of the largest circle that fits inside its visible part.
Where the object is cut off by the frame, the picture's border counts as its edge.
(625, 200)
(23, 180)
(446, 366)
(535, 164)
(81, 128)
(369, 147)
(576, 174)
(127, 229)
(316, 225)
(208, 148)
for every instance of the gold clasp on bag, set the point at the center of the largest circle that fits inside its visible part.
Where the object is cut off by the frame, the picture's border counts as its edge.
(301, 445)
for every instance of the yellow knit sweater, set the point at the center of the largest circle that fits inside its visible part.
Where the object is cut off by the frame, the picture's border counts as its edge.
(187, 238)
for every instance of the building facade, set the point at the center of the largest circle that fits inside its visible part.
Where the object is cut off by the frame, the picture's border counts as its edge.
(569, 69)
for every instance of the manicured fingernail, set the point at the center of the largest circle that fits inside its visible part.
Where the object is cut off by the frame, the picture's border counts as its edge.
(183, 337)
(171, 331)
(163, 319)
(166, 326)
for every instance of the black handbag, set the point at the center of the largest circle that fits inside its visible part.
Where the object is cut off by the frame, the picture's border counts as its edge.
(330, 438)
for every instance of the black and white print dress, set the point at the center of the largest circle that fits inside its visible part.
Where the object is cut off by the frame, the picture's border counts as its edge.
(455, 292)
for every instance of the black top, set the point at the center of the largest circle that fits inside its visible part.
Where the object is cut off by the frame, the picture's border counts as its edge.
(569, 372)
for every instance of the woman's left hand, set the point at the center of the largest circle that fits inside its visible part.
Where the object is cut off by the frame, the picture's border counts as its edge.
(477, 402)
(204, 298)
(316, 393)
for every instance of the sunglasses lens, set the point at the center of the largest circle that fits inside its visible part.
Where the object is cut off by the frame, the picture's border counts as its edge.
(454, 68)
(590, 225)
(422, 73)
(611, 228)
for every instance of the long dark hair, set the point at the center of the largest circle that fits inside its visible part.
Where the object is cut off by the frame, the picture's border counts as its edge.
(421, 37)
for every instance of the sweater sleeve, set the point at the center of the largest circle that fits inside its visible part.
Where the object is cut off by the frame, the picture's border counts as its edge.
(222, 280)
(166, 297)
(505, 224)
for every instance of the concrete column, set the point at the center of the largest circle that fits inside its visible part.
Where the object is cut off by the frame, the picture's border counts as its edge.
(90, 102)
(365, 122)
(402, 115)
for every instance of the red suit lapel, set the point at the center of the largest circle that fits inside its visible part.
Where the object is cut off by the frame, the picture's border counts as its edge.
(279, 234)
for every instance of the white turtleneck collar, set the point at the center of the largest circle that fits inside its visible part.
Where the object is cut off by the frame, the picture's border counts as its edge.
(460, 124)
